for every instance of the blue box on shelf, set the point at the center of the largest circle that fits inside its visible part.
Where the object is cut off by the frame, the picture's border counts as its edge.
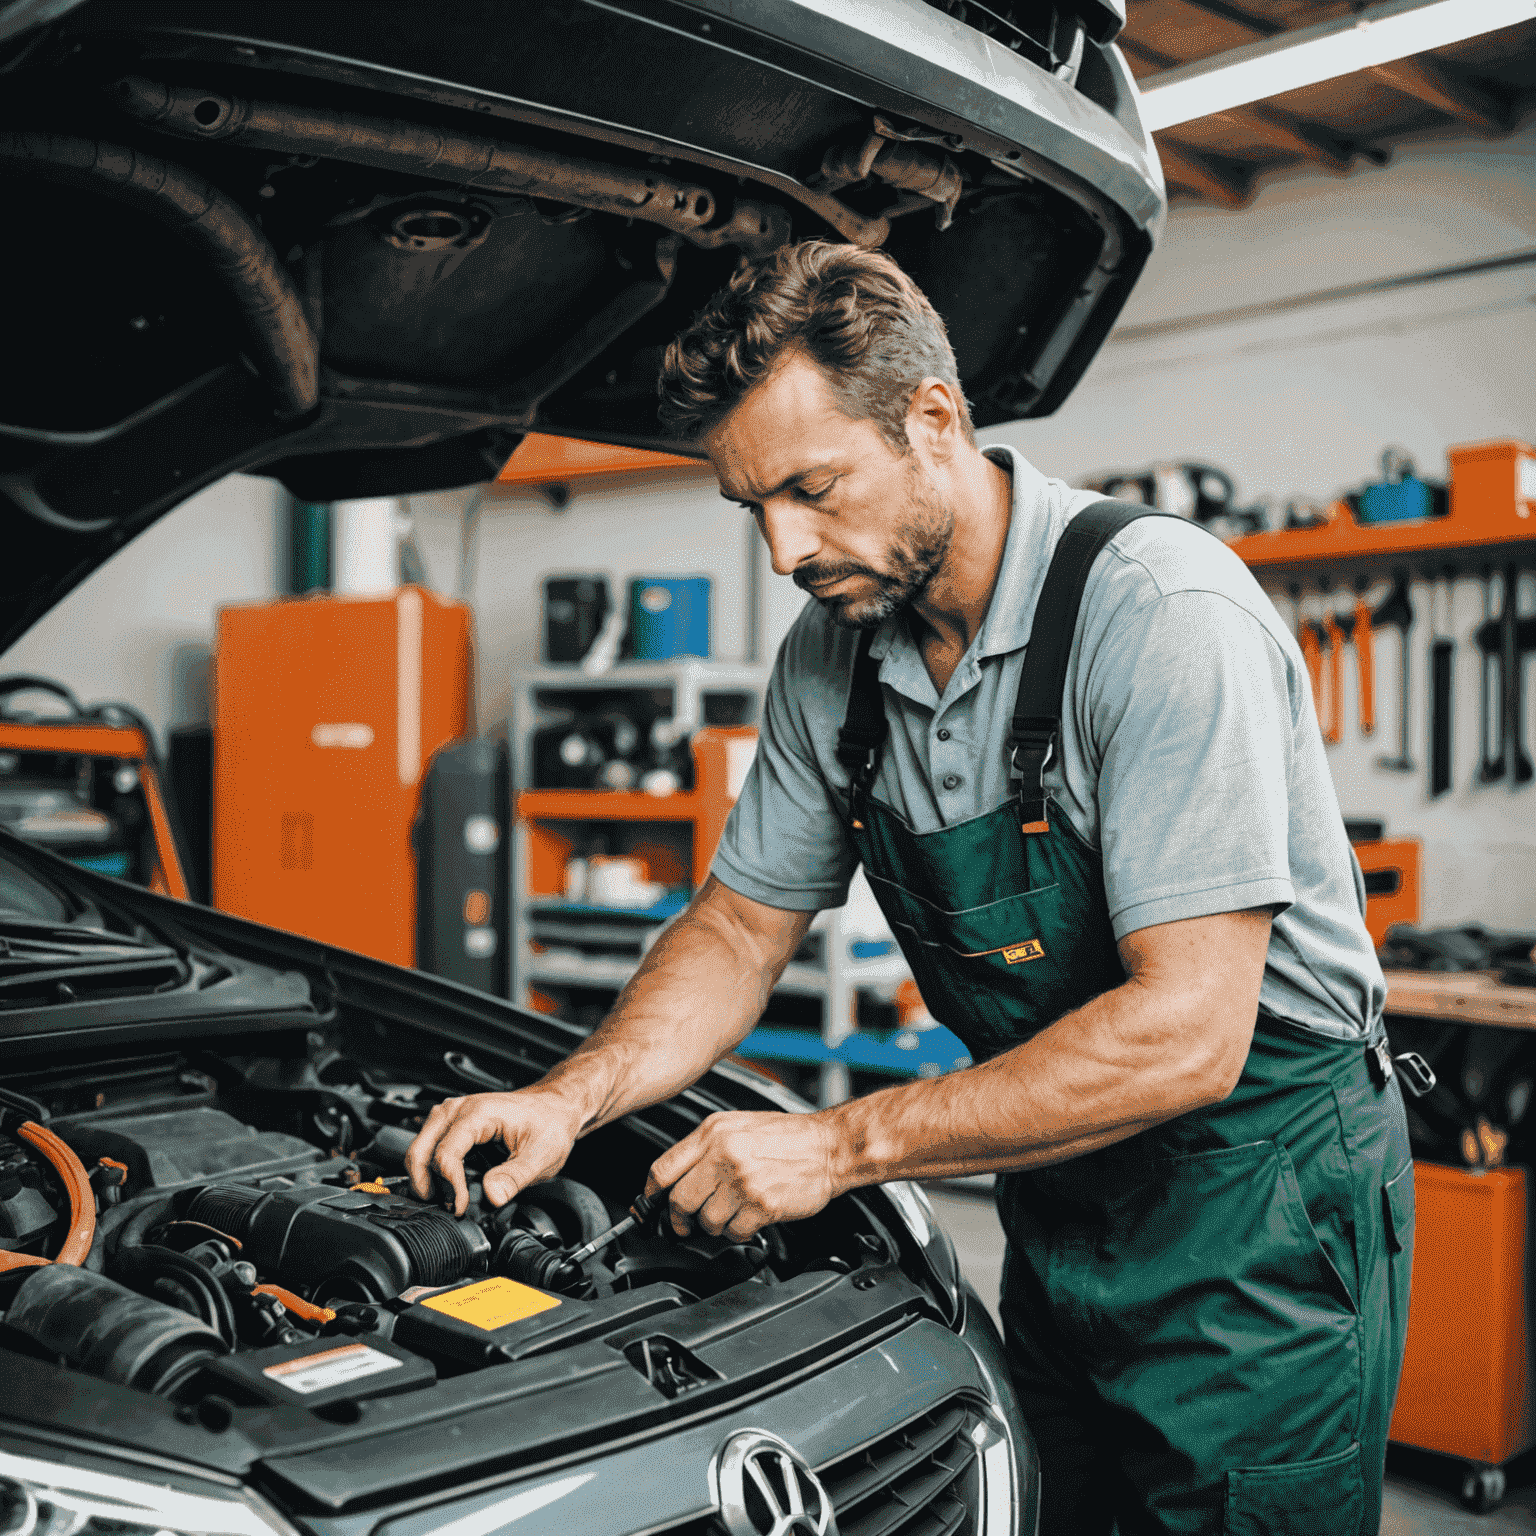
(1408, 500)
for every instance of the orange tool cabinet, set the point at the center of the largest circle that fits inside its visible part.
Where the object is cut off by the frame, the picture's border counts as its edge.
(1466, 1385)
(326, 712)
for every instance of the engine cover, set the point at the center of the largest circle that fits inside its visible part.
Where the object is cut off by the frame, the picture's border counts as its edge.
(179, 1147)
(343, 1244)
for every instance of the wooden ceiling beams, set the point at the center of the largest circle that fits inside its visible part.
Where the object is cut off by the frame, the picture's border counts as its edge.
(1191, 170)
(1426, 80)
(1217, 157)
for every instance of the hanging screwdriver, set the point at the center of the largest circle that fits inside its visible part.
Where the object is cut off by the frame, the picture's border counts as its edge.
(639, 1213)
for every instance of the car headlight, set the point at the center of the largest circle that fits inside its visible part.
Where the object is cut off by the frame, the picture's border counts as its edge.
(53, 1498)
(918, 1215)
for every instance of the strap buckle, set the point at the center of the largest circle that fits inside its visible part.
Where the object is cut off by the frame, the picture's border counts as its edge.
(1411, 1070)
(1031, 735)
(1032, 749)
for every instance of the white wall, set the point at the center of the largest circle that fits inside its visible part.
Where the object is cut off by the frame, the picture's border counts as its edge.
(1302, 403)
(1299, 404)
(667, 522)
(139, 629)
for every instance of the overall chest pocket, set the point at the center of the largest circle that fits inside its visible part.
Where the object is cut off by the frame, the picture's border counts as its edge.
(997, 973)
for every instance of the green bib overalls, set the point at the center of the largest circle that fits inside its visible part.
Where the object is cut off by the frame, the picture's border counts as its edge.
(1205, 1321)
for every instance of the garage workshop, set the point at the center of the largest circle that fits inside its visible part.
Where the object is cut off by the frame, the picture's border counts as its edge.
(766, 767)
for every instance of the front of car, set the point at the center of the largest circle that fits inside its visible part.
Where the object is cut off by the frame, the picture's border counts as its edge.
(276, 1335)
(365, 251)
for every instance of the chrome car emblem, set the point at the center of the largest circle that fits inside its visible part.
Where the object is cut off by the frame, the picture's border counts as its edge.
(765, 1488)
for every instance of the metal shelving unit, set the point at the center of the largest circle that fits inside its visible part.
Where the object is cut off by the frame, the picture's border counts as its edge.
(559, 943)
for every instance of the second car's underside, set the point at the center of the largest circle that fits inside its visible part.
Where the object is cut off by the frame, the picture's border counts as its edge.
(366, 255)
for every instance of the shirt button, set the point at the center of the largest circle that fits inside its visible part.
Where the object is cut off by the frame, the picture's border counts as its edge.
(951, 781)
(943, 735)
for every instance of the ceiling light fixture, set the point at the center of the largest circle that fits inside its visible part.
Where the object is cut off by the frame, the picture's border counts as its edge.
(1290, 60)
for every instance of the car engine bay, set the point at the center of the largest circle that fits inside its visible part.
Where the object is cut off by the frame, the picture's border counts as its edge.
(229, 1230)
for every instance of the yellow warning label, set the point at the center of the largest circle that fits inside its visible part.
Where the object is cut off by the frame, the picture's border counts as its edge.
(492, 1304)
(1030, 949)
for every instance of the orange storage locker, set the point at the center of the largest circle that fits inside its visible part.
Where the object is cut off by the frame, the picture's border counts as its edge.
(327, 710)
(1466, 1387)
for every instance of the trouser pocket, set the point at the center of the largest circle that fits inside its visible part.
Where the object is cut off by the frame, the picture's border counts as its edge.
(1297, 1498)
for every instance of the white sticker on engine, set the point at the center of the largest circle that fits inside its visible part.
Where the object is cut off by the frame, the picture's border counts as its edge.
(330, 1368)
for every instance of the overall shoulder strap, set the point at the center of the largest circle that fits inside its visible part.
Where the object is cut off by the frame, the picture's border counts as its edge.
(1036, 724)
(861, 740)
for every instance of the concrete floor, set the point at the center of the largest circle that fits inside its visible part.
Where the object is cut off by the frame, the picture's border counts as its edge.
(1422, 1490)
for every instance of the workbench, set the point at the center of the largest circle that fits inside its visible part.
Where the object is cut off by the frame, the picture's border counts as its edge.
(1460, 997)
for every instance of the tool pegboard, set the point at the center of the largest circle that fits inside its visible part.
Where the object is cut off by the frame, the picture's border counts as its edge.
(1345, 584)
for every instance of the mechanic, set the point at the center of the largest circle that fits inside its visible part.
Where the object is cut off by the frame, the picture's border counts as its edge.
(1128, 890)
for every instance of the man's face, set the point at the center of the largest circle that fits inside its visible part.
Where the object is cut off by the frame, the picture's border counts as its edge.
(854, 523)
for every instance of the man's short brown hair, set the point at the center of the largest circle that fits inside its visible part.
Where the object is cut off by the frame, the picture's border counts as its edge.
(852, 311)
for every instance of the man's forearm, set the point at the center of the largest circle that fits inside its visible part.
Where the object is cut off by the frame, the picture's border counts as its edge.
(1128, 1060)
(695, 997)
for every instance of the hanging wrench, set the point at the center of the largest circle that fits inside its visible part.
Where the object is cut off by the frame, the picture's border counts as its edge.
(1397, 611)
(1333, 634)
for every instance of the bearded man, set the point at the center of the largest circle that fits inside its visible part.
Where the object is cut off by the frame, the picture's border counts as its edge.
(1075, 751)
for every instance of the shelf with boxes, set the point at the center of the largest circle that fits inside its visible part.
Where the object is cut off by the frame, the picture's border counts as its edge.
(597, 873)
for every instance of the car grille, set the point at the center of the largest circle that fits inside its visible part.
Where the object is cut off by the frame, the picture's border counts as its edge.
(1028, 28)
(918, 1480)
(921, 1479)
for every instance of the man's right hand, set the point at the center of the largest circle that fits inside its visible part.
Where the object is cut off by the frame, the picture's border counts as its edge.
(537, 1128)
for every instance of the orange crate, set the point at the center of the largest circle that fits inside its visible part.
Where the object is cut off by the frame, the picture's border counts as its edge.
(1399, 856)
(1493, 487)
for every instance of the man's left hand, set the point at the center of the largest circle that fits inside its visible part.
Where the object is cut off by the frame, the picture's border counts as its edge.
(741, 1172)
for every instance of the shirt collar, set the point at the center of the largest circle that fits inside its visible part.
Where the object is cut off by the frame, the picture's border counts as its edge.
(1038, 516)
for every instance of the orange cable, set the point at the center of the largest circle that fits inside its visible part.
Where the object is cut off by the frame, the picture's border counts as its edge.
(82, 1199)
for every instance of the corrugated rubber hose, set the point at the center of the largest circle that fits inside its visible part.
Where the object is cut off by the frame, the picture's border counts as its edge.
(281, 342)
(82, 1200)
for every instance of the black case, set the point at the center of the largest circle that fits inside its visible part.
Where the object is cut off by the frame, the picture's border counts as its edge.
(243, 1377)
(461, 838)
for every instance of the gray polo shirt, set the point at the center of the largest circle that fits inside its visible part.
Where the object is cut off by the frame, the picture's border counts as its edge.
(1189, 756)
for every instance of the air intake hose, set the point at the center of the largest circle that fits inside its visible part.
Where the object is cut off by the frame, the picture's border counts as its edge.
(110, 1332)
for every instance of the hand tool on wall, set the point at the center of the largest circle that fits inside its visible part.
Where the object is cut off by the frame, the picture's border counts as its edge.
(1442, 667)
(1397, 613)
(1490, 766)
(1310, 638)
(1333, 634)
(1512, 637)
(1363, 635)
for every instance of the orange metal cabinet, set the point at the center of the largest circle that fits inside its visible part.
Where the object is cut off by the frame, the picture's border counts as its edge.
(327, 710)
(1466, 1388)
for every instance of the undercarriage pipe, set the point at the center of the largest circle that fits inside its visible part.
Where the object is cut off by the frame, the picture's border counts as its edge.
(280, 340)
(393, 144)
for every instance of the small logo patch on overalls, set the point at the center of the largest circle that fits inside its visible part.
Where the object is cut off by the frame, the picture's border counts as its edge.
(1030, 949)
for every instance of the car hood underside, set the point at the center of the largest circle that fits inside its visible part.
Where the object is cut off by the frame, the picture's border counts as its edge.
(365, 255)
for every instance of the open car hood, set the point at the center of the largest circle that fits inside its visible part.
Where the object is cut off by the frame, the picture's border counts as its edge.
(364, 250)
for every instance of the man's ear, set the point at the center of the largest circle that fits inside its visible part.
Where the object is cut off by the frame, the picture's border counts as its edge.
(934, 420)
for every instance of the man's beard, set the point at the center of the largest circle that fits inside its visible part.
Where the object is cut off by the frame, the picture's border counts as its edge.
(913, 559)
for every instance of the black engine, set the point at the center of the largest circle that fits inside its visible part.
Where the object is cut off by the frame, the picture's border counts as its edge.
(240, 1230)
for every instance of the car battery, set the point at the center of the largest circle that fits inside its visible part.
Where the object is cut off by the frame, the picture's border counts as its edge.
(482, 1321)
(318, 1372)
(464, 1325)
